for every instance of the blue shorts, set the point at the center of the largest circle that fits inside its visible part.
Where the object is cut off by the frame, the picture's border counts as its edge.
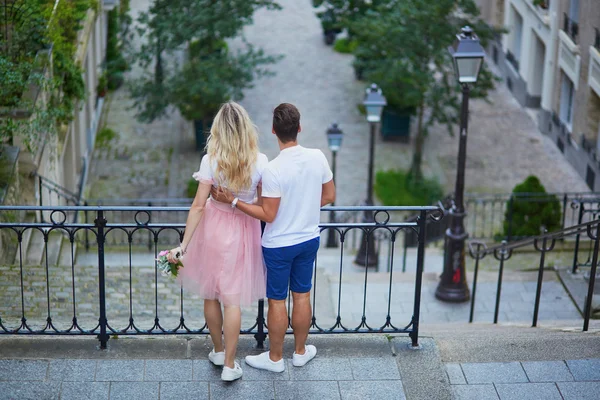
(290, 267)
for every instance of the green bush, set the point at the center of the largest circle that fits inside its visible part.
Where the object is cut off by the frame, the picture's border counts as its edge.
(394, 188)
(345, 45)
(104, 138)
(532, 209)
(192, 188)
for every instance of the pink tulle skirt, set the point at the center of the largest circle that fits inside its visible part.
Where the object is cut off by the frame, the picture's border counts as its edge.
(224, 257)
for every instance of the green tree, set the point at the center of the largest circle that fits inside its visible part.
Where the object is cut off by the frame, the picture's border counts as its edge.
(342, 14)
(211, 73)
(531, 209)
(403, 47)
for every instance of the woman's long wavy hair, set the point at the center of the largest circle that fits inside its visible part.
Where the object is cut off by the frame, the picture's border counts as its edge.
(233, 144)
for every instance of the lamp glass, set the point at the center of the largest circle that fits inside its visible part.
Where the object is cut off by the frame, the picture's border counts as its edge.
(467, 68)
(334, 141)
(374, 113)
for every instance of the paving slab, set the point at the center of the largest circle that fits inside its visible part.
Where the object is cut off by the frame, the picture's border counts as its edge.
(365, 369)
(475, 392)
(72, 370)
(168, 370)
(509, 372)
(184, 391)
(30, 390)
(455, 374)
(359, 390)
(322, 369)
(87, 390)
(242, 390)
(585, 370)
(23, 370)
(204, 370)
(528, 391)
(308, 390)
(134, 390)
(120, 370)
(547, 371)
(579, 390)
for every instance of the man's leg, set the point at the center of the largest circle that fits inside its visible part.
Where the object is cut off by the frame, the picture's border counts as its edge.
(301, 319)
(277, 320)
(300, 285)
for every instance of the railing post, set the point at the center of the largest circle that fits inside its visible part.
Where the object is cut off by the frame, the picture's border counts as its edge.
(577, 238)
(564, 211)
(100, 223)
(510, 218)
(40, 187)
(86, 220)
(260, 335)
(588, 301)
(414, 334)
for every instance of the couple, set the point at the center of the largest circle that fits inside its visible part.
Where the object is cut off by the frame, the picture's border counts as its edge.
(221, 247)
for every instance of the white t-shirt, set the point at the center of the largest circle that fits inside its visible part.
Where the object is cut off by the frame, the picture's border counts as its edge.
(207, 174)
(296, 176)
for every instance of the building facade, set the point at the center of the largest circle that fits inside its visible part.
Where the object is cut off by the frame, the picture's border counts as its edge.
(550, 61)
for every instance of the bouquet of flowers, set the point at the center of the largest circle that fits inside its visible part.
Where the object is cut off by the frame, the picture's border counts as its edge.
(165, 267)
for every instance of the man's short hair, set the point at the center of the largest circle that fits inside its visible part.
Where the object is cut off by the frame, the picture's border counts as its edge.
(286, 122)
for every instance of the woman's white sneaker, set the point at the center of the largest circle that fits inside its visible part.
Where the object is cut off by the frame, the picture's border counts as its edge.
(262, 361)
(310, 351)
(231, 374)
(217, 359)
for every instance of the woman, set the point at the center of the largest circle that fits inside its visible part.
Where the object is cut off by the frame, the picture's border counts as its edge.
(221, 247)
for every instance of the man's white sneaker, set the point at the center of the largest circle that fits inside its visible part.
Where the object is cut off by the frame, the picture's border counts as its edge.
(231, 374)
(262, 361)
(310, 351)
(217, 358)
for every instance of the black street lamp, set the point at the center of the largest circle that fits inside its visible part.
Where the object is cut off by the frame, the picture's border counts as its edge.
(374, 103)
(467, 55)
(334, 140)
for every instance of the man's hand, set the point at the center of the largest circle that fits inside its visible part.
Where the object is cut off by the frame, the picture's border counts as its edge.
(221, 194)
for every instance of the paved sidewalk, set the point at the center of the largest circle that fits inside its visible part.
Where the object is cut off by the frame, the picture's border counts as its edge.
(548, 380)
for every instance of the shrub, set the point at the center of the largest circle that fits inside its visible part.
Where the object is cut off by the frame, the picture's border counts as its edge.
(532, 208)
(105, 137)
(394, 188)
(345, 45)
(192, 188)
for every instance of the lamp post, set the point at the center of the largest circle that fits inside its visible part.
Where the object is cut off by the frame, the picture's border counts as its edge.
(334, 140)
(467, 55)
(374, 103)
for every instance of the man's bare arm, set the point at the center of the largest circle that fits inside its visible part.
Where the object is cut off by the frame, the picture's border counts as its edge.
(328, 193)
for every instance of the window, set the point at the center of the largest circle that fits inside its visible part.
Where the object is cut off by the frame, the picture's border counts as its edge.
(567, 93)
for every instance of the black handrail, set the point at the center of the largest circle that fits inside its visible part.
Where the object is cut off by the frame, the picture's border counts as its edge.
(102, 227)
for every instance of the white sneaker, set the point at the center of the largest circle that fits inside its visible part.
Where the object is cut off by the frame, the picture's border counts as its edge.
(217, 359)
(262, 361)
(310, 351)
(231, 374)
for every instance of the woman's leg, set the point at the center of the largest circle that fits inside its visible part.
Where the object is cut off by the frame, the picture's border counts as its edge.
(214, 320)
(231, 328)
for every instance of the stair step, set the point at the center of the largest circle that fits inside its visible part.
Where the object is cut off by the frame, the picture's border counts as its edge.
(29, 218)
(35, 250)
(55, 240)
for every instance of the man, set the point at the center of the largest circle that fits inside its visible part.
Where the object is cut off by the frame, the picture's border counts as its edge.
(295, 185)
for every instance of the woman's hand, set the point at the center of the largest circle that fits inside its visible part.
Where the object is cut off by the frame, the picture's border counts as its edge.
(221, 194)
(174, 255)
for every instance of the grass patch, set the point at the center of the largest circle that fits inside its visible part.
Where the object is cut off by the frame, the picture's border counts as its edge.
(394, 188)
(345, 46)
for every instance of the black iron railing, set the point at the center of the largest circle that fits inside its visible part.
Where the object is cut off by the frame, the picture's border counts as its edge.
(490, 217)
(544, 245)
(597, 39)
(570, 27)
(93, 293)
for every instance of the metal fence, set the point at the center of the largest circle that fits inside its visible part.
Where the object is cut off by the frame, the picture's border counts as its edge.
(544, 245)
(81, 299)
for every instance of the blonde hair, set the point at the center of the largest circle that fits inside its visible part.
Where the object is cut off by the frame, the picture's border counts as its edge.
(233, 144)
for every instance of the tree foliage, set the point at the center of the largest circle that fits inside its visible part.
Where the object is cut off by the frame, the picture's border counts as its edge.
(403, 47)
(342, 14)
(531, 209)
(211, 73)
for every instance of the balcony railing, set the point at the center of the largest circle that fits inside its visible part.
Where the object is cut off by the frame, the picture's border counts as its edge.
(512, 60)
(94, 293)
(571, 28)
(597, 39)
